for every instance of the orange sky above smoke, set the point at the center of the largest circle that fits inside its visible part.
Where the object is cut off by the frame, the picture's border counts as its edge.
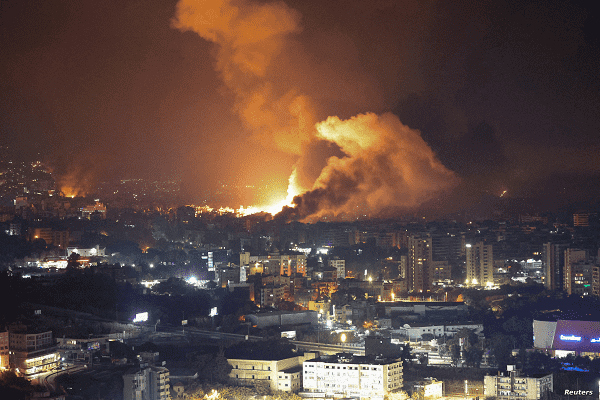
(385, 165)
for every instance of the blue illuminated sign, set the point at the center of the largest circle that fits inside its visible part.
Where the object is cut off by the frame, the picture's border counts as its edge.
(596, 340)
(570, 338)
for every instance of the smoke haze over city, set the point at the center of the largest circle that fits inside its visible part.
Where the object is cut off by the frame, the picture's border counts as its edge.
(384, 105)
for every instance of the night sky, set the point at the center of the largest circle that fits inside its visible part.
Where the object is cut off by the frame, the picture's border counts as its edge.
(505, 94)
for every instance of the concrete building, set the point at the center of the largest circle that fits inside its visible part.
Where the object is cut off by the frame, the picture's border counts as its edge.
(94, 209)
(576, 270)
(430, 388)
(511, 385)
(284, 375)
(279, 318)
(553, 262)
(151, 383)
(419, 263)
(275, 263)
(480, 264)
(345, 375)
(340, 266)
(416, 331)
(596, 281)
(4, 352)
(31, 352)
(579, 278)
(432, 310)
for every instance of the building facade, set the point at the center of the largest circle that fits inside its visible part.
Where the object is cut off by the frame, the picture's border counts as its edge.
(31, 353)
(284, 375)
(345, 375)
(553, 262)
(340, 266)
(419, 263)
(511, 385)
(480, 264)
(151, 383)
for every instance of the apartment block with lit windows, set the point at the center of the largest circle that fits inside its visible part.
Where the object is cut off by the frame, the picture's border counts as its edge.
(512, 385)
(419, 264)
(151, 383)
(4, 352)
(480, 264)
(284, 374)
(31, 352)
(345, 375)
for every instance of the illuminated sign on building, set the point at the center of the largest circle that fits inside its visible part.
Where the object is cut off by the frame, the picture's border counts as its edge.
(571, 338)
(141, 317)
(596, 340)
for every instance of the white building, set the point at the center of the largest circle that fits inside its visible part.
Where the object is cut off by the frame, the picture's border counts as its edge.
(92, 252)
(416, 331)
(480, 264)
(511, 385)
(345, 375)
(340, 266)
(150, 383)
(284, 375)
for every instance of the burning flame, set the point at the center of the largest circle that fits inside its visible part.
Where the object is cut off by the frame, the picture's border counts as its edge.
(70, 185)
(385, 166)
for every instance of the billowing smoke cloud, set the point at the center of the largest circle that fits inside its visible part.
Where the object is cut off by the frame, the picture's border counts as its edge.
(249, 36)
(387, 168)
(375, 164)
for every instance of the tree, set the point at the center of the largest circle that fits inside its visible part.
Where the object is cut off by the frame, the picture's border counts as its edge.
(501, 350)
(73, 261)
(406, 354)
(454, 349)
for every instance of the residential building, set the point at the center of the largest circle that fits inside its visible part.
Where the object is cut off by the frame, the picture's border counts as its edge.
(4, 352)
(284, 374)
(340, 266)
(480, 264)
(151, 383)
(512, 385)
(346, 375)
(578, 278)
(31, 351)
(419, 263)
(596, 281)
(553, 262)
(575, 259)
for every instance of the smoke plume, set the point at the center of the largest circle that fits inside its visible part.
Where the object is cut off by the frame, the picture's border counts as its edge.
(249, 37)
(374, 164)
(387, 168)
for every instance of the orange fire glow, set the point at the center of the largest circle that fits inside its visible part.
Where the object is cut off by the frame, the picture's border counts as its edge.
(385, 166)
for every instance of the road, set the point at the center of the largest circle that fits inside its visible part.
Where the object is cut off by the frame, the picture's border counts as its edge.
(48, 380)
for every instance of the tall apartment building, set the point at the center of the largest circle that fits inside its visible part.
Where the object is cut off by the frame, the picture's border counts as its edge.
(419, 263)
(511, 385)
(596, 281)
(573, 269)
(278, 264)
(480, 264)
(553, 263)
(151, 383)
(340, 266)
(345, 375)
(4, 352)
(580, 278)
